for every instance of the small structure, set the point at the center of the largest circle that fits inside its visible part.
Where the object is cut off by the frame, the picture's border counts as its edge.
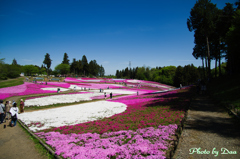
(55, 79)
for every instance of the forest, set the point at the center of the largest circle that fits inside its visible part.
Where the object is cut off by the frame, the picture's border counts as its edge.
(79, 67)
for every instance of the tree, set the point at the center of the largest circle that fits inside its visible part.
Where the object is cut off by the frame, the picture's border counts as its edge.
(93, 67)
(30, 69)
(140, 73)
(118, 74)
(47, 61)
(14, 62)
(233, 44)
(79, 67)
(223, 24)
(62, 68)
(73, 66)
(202, 19)
(65, 59)
(101, 71)
(179, 77)
(85, 65)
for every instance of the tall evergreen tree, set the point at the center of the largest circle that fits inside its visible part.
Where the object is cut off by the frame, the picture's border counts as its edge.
(85, 65)
(47, 61)
(202, 19)
(14, 62)
(79, 67)
(65, 59)
(233, 44)
(73, 66)
(101, 71)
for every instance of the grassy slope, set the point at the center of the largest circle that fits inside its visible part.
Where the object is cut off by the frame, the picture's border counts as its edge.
(226, 89)
(11, 82)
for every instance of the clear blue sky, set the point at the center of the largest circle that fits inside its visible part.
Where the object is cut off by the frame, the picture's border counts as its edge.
(113, 32)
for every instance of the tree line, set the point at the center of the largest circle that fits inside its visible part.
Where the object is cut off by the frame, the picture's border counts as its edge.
(76, 68)
(170, 75)
(216, 35)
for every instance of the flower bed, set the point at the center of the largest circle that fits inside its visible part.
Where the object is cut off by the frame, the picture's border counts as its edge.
(143, 143)
(57, 99)
(55, 89)
(142, 111)
(24, 89)
(59, 84)
(82, 92)
(70, 115)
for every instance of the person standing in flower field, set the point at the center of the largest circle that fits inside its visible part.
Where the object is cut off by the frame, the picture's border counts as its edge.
(2, 111)
(105, 95)
(13, 102)
(14, 114)
(7, 107)
(21, 106)
(111, 95)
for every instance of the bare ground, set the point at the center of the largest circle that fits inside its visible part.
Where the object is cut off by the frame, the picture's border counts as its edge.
(15, 143)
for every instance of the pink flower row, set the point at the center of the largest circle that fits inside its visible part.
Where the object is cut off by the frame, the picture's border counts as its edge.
(143, 143)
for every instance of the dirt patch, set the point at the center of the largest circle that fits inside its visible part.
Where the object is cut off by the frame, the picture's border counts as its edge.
(15, 143)
(209, 133)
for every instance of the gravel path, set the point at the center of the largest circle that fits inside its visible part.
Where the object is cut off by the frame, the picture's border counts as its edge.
(209, 133)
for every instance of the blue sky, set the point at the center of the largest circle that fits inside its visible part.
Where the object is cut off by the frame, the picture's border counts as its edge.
(113, 32)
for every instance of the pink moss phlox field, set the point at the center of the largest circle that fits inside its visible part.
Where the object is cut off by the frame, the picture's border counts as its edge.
(143, 143)
(103, 96)
(59, 84)
(142, 111)
(24, 89)
(58, 94)
(98, 86)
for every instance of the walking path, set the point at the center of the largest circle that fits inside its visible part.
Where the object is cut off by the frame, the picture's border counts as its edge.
(16, 144)
(209, 133)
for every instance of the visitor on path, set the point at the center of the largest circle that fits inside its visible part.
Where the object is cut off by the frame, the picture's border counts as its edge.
(13, 102)
(21, 106)
(111, 95)
(180, 86)
(7, 109)
(14, 115)
(105, 95)
(2, 111)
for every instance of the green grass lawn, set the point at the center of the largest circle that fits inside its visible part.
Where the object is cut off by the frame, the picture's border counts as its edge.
(225, 89)
(11, 82)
